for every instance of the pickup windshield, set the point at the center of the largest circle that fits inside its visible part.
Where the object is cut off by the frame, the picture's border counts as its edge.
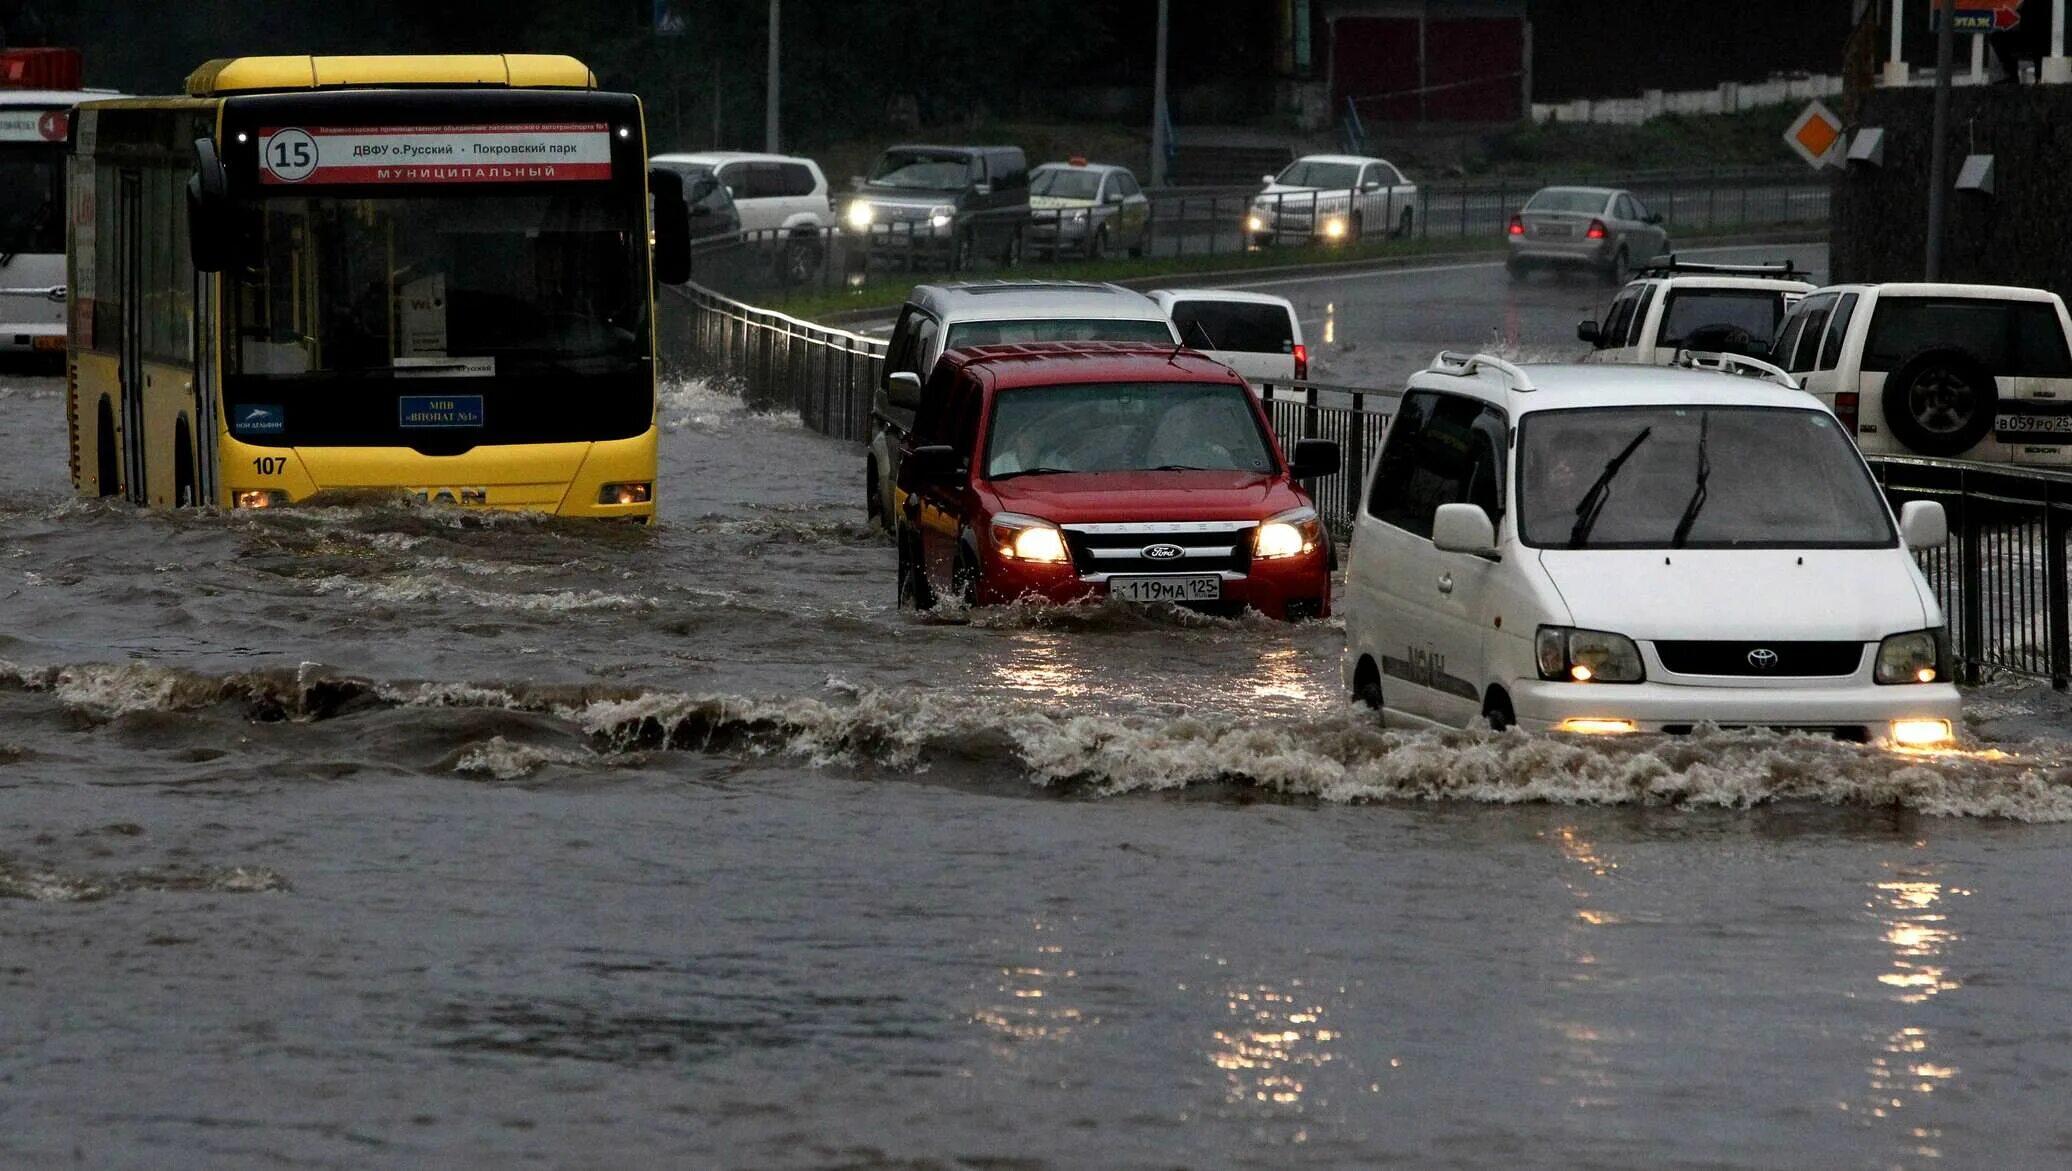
(1704, 477)
(1126, 426)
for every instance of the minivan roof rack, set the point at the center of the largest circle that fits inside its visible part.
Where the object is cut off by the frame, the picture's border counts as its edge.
(1668, 265)
(1455, 364)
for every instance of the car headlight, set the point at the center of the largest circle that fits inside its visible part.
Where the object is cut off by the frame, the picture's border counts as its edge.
(1291, 534)
(861, 214)
(1587, 656)
(1028, 538)
(1255, 222)
(1334, 228)
(1077, 215)
(940, 217)
(1918, 656)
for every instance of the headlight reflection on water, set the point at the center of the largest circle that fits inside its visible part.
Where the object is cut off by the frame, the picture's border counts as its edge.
(1274, 1041)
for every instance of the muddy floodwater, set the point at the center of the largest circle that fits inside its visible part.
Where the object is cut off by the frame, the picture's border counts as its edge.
(382, 835)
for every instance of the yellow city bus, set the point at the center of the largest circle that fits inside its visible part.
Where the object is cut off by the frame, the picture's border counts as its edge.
(429, 275)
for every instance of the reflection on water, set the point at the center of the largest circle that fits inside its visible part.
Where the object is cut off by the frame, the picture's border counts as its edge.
(1273, 1042)
(1904, 1069)
(1583, 1060)
(1031, 1000)
(1331, 323)
(1038, 662)
(1286, 673)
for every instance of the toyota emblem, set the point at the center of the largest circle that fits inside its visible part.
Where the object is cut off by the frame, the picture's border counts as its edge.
(1762, 658)
(1162, 552)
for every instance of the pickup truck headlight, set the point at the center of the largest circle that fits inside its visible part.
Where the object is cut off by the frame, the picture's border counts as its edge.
(1290, 534)
(1918, 656)
(1570, 655)
(1028, 538)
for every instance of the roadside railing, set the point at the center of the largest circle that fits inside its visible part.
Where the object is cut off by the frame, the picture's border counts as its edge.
(2002, 579)
(774, 266)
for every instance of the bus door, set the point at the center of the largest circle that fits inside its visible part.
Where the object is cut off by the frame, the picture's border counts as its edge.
(129, 254)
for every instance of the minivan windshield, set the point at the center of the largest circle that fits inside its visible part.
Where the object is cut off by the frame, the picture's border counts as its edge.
(1063, 329)
(920, 170)
(1126, 426)
(1699, 477)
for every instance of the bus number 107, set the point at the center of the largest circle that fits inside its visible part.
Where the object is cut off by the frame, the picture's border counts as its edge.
(270, 465)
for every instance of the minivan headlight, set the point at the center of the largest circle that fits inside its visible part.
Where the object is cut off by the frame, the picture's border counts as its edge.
(1918, 656)
(1587, 656)
(1028, 538)
(1290, 534)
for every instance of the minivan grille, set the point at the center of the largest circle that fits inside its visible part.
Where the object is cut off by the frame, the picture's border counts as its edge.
(1207, 547)
(1761, 659)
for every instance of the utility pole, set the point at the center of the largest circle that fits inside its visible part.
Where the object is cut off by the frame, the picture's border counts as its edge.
(1158, 105)
(1939, 131)
(770, 100)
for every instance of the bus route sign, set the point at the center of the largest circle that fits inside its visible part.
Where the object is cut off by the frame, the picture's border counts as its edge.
(510, 153)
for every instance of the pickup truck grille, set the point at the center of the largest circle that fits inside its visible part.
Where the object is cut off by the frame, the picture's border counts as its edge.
(1205, 547)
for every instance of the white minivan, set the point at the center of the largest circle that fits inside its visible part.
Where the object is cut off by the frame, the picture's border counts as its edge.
(1255, 334)
(1637, 549)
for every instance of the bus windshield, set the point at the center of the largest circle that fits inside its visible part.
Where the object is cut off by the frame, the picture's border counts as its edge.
(497, 284)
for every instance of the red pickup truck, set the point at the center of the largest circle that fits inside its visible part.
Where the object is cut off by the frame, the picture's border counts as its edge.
(1067, 471)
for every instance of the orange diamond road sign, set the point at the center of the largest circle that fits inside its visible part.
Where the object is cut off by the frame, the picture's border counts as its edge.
(1816, 135)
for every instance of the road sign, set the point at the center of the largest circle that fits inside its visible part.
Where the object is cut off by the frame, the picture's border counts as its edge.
(1816, 135)
(1978, 16)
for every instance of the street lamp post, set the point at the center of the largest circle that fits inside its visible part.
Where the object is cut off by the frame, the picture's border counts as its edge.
(1158, 105)
(1939, 147)
(770, 100)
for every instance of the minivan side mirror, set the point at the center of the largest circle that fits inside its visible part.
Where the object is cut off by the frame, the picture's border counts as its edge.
(1924, 525)
(672, 227)
(209, 233)
(935, 463)
(1464, 528)
(903, 389)
(1314, 458)
(1587, 332)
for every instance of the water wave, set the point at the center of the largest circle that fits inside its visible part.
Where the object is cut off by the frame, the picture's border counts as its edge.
(19, 880)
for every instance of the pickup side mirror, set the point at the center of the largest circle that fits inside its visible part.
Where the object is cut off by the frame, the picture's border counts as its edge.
(1463, 528)
(935, 463)
(209, 234)
(903, 389)
(1924, 525)
(1314, 458)
(1587, 332)
(672, 227)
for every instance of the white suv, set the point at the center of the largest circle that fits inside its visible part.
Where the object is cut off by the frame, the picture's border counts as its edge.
(1636, 549)
(1975, 372)
(775, 195)
(1715, 308)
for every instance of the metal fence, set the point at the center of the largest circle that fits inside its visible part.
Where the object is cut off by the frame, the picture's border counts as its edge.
(2002, 579)
(774, 266)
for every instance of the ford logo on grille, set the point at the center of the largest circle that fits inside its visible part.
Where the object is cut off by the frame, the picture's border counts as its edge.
(1163, 552)
(1762, 658)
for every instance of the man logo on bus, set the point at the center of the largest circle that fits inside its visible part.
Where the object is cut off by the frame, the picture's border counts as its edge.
(289, 155)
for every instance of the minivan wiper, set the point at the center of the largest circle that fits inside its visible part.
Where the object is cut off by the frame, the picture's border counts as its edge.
(1600, 490)
(1690, 512)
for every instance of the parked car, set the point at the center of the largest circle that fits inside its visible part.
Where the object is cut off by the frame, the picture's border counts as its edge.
(948, 204)
(940, 317)
(1676, 305)
(1255, 334)
(1597, 228)
(1633, 548)
(1974, 372)
(1088, 208)
(713, 213)
(1332, 198)
(1076, 471)
(782, 200)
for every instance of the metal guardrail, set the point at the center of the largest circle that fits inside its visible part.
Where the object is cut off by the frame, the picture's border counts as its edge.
(2002, 580)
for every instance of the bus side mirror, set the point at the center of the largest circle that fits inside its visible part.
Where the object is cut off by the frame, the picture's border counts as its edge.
(672, 227)
(208, 209)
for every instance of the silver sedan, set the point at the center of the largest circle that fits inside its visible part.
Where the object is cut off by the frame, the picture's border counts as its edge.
(1597, 228)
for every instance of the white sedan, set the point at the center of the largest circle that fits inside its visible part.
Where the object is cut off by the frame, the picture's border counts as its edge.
(1333, 198)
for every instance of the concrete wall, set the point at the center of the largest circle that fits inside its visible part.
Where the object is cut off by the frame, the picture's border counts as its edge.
(1728, 97)
(2022, 235)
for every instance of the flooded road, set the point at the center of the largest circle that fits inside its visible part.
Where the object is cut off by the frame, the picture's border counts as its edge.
(381, 835)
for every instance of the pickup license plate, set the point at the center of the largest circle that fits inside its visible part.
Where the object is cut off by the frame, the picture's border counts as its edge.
(2053, 425)
(1204, 587)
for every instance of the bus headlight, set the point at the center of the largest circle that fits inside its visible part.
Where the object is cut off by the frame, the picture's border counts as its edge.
(1291, 534)
(259, 498)
(634, 492)
(860, 214)
(1913, 657)
(1569, 655)
(1027, 538)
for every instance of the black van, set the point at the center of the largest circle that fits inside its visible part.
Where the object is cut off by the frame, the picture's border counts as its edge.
(941, 204)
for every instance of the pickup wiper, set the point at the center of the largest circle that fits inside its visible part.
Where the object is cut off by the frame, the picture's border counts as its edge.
(1027, 472)
(1600, 491)
(1697, 501)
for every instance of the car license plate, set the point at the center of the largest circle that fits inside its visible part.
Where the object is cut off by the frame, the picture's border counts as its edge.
(2033, 425)
(1205, 587)
(48, 341)
(1552, 230)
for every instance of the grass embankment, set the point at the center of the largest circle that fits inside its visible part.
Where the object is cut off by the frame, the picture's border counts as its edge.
(1574, 151)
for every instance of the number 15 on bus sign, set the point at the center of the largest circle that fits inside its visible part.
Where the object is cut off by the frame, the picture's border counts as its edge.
(289, 155)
